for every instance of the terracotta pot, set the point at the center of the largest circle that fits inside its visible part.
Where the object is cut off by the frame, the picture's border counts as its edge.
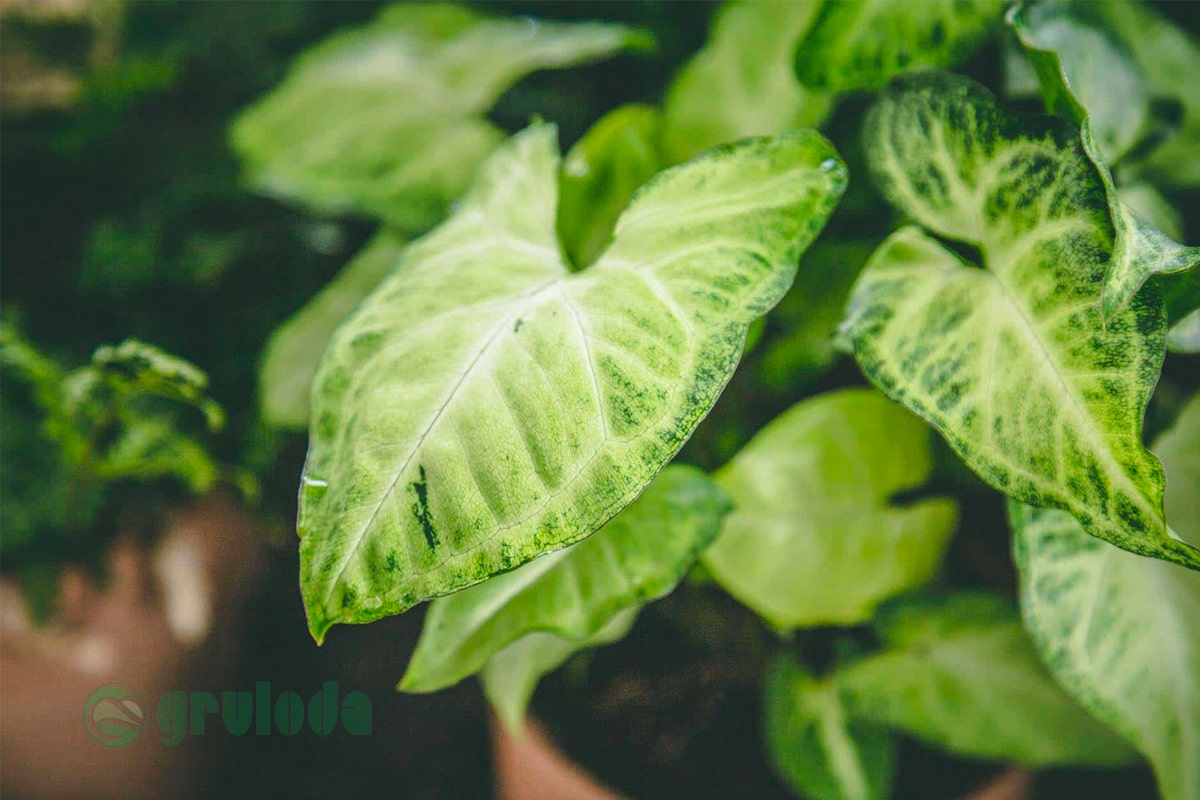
(532, 767)
(529, 766)
(167, 619)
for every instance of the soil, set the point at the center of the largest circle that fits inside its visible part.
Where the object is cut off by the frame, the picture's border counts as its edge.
(673, 712)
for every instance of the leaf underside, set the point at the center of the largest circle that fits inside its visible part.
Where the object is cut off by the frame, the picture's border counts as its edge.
(486, 405)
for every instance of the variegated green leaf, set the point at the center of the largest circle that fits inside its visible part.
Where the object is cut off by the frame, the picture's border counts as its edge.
(1121, 632)
(574, 592)
(860, 44)
(600, 174)
(741, 84)
(816, 746)
(1014, 363)
(960, 673)
(1086, 76)
(388, 119)
(510, 676)
(814, 539)
(485, 405)
(294, 350)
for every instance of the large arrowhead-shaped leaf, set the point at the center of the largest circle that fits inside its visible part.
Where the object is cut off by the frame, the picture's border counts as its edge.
(815, 745)
(573, 593)
(862, 43)
(814, 539)
(291, 356)
(600, 174)
(486, 405)
(1014, 364)
(741, 84)
(1121, 632)
(960, 673)
(388, 119)
(1086, 76)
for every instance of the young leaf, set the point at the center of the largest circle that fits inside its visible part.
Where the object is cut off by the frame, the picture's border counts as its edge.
(961, 674)
(816, 747)
(1085, 76)
(741, 84)
(485, 406)
(600, 174)
(511, 675)
(813, 538)
(861, 44)
(294, 350)
(573, 593)
(1121, 632)
(1013, 364)
(388, 119)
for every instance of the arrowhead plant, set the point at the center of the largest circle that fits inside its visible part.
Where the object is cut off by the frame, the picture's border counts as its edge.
(508, 389)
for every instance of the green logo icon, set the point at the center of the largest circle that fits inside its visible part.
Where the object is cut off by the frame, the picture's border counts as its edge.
(114, 715)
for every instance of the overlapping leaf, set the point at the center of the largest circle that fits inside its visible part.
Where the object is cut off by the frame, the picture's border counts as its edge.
(862, 43)
(510, 676)
(815, 745)
(1086, 76)
(813, 538)
(600, 174)
(1121, 632)
(1014, 363)
(388, 119)
(575, 592)
(486, 405)
(742, 84)
(294, 350)
(960, 673)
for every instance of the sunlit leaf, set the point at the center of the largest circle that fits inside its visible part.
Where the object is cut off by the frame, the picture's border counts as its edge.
(813, 538)
(1014, 363)
(485, 405)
